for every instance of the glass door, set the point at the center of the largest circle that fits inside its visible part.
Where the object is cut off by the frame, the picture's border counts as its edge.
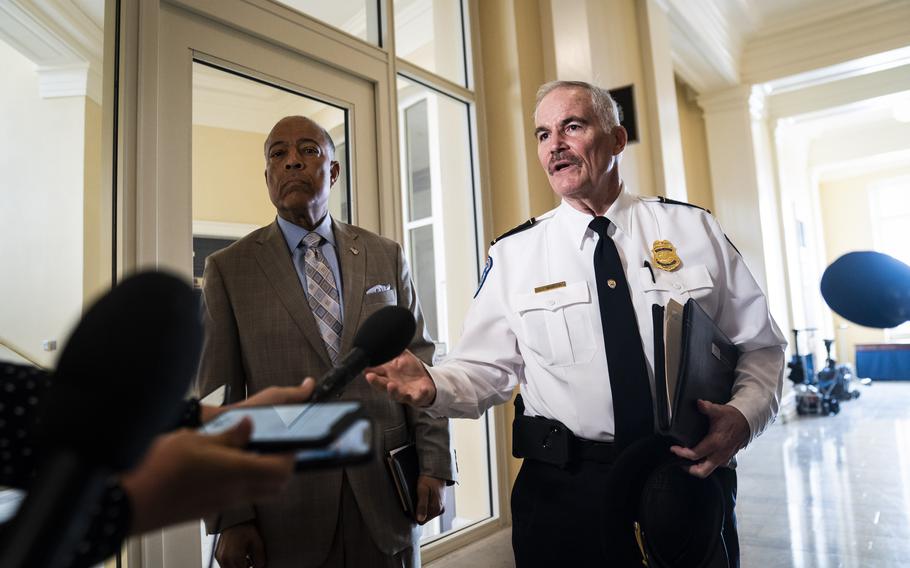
(219, 92)
(207, 109)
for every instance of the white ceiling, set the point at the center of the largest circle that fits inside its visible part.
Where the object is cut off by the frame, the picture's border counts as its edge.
(225, 100)
(773, 15)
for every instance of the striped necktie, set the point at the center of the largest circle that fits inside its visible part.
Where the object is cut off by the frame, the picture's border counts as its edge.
(322, 294)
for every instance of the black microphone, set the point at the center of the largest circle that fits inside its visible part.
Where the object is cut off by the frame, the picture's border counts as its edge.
(119, 383)
(868, 288)
(382, 337)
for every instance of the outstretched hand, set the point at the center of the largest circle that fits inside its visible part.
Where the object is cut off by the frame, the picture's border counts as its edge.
(405, 379)
(727, 434)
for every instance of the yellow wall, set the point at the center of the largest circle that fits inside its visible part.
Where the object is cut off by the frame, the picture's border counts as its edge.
(847, 226)
(96, 254)
(695, 148)
(228, 179)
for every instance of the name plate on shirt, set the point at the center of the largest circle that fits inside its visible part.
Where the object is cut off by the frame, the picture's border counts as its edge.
(548, 287)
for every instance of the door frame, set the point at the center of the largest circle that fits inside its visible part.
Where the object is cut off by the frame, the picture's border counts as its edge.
(158, 118)
(157, 198)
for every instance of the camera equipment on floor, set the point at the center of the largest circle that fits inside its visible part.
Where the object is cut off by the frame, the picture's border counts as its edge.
(822, 392)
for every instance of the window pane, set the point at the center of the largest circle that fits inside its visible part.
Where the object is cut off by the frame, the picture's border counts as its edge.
(441, 236)
(430, 34)
(360, 18)
(418, 161)
(55, 225)
(423, 261)
(232, 116)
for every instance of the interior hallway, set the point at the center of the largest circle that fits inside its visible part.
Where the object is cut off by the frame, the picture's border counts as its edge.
(814, 492)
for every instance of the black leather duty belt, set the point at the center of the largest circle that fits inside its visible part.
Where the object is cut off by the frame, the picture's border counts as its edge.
(549, 441)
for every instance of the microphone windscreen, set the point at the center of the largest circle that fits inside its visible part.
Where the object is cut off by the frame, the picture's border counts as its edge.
(868, 288)
(124, 371)
(385, 334)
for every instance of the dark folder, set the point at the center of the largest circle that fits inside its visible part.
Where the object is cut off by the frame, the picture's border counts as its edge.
(404, 468)
(693, 359)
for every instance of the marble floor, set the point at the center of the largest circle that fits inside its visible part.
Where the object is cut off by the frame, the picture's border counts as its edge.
(814, 491)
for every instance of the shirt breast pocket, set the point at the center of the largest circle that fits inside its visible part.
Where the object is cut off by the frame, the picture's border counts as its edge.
(688, 282)
(556, 325)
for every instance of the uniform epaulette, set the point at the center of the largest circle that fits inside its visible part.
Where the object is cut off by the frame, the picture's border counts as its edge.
(526, 225)
(669, 201)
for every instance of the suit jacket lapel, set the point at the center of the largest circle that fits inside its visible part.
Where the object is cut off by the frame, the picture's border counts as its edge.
(352, 258)
(278, 265)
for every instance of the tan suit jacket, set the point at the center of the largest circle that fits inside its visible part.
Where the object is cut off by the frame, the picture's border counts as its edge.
(260, 332)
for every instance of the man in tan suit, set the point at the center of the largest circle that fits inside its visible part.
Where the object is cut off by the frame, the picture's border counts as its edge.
(284, 303)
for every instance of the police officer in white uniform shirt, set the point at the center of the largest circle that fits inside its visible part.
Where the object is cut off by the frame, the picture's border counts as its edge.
(564, 311)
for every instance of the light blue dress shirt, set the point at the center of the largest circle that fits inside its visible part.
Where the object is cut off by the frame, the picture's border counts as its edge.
(293, 234)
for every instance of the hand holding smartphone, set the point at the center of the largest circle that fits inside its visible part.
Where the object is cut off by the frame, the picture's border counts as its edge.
(327, 434)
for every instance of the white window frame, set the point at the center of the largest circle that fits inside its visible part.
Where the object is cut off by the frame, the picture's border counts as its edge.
(879, 211)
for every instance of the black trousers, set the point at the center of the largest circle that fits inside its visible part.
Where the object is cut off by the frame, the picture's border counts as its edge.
(556, 515)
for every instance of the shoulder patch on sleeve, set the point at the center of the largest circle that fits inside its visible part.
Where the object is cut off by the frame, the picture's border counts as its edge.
(483, 277)
(526, 225)
(669, 201)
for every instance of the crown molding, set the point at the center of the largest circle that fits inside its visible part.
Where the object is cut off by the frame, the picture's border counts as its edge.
(61, 40)
(76, 80)
(807, 13)
(836, 38)
(861, 166)
(731, 99)
(705, 46)
(839, 93)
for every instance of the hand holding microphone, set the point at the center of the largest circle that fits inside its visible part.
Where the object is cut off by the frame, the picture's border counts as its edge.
(118, 384)
(382, 336)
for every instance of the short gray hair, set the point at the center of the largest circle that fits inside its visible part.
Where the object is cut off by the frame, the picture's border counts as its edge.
(604, 106)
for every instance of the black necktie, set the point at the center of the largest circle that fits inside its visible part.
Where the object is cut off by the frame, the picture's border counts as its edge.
(629, 383)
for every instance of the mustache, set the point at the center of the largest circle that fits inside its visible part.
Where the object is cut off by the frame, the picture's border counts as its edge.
(557, 157)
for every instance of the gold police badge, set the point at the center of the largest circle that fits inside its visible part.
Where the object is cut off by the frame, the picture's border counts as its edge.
(665, 257)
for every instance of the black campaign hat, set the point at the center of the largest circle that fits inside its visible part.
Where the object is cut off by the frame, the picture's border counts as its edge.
(657, 512)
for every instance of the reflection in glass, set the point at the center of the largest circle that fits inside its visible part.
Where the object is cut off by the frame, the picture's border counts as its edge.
(232, 116)
(441, 243)
(431, 35)
(418, 156)
(422, 254)
(55, 226)
(360, 18)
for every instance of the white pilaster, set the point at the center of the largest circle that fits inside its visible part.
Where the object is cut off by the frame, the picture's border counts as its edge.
(746, 200)
(734, 172)
(660, 89)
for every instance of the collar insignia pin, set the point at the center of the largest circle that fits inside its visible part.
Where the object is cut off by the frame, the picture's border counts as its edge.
(664, 255)
(355, 251)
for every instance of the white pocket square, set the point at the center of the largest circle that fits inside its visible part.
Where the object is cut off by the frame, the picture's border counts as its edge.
(378, 288)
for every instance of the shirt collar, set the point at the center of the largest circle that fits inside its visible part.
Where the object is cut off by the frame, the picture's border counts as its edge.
(293, 234)
(576, 222)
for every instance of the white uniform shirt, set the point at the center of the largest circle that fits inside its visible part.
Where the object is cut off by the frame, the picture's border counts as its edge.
(551, 343)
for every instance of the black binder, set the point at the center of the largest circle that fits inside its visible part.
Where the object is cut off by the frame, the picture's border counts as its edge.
(693, 359)
(404, 469)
